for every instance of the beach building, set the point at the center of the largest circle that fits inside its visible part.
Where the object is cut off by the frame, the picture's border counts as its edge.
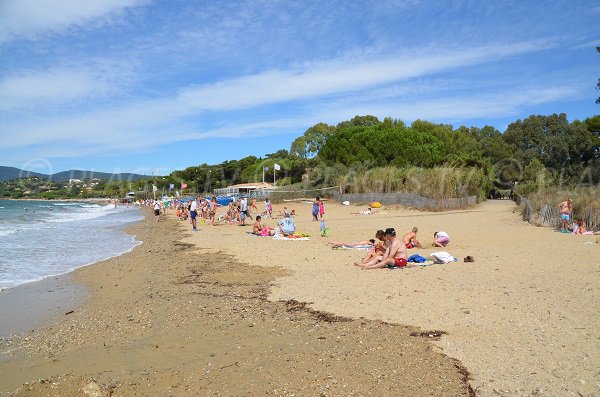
(255, 189)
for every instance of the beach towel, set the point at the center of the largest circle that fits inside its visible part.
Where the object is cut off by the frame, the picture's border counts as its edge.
(416, 258)
(354, 247)
(296, 236)
(290, 238)
(255, 235)
(415, 264)
(442, 257)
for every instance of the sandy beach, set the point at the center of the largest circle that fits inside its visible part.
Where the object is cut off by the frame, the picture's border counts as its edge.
(523, 318)
(219, 312)
(174, 318)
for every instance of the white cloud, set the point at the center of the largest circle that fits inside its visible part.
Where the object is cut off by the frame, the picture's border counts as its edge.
(50, 88)
(331, 78)
(153, 122)
(30, 18)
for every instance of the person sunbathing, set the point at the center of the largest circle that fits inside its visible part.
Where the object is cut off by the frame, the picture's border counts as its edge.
(410, 239)
(337, 244)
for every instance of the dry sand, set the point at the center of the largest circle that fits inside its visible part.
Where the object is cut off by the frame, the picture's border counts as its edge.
(169, 320)
(523, 318)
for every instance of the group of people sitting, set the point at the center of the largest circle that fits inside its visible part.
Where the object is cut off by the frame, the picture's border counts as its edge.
(392, 251)
(286, 226)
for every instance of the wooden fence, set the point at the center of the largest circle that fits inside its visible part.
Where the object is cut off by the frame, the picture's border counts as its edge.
(409, 200)
(549, 216)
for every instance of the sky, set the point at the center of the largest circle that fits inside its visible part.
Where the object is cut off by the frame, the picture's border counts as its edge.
(154, 86)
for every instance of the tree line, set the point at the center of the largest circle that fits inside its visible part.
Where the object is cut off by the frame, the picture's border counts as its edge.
(540, 149)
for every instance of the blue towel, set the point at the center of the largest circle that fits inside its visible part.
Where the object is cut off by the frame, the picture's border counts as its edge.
(416, 258)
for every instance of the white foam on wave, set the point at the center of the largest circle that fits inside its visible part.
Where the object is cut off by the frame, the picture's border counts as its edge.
(7, 232)
(90, 212)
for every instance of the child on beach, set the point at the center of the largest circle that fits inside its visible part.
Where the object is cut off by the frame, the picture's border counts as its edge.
(440, 239)
(321, 209)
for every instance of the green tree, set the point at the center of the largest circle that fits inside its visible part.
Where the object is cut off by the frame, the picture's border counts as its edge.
(309, 144)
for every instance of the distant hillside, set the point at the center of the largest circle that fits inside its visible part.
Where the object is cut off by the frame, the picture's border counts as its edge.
(10, 173)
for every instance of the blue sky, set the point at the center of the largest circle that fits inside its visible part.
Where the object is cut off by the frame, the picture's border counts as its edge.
(153, 86)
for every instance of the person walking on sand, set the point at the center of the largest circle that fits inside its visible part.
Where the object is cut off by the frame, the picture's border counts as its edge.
(565, 208)
(157, 210)
(394, 256)
(193, 214)
(410, 239)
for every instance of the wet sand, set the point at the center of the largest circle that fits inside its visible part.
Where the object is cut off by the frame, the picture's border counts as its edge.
(179, 318)
(28, 306)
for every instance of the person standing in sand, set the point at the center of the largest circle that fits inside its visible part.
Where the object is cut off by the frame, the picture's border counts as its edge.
(410, 239)
(565, 208)
(395, 255)
(315, 209)
(212, 210)
(321, 209)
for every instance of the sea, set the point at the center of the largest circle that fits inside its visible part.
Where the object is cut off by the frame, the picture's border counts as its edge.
(40, 239)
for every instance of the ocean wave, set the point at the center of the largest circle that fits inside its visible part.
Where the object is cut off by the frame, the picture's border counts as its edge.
(91, 212)
(7, 232)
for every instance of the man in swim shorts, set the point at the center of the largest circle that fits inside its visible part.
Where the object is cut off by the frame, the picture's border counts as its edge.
(565, 208)
(410, 239)
(395, 255)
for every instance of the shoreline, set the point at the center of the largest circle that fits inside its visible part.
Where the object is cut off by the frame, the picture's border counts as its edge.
(174, 317)
(38, 304)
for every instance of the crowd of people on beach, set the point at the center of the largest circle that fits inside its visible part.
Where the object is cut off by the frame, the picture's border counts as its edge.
(386, 250)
